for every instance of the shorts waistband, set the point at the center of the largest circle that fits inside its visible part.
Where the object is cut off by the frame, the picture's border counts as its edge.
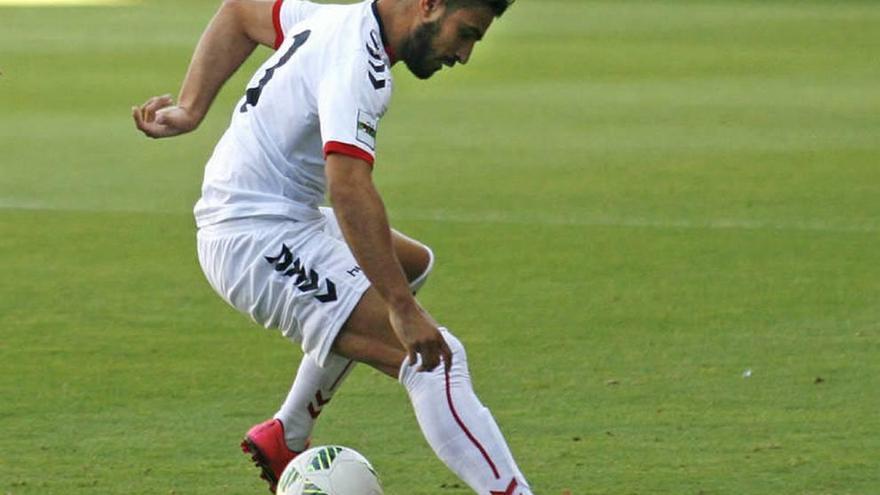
(245, 225)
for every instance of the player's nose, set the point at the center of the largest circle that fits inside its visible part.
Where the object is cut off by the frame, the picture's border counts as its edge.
(464, 54)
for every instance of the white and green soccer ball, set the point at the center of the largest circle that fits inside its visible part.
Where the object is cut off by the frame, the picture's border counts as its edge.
(329, 470)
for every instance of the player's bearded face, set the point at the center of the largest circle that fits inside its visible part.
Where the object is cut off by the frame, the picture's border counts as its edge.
(418, 51)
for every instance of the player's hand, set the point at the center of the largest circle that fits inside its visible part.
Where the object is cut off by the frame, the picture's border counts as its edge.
(420, 336)
(159, 117)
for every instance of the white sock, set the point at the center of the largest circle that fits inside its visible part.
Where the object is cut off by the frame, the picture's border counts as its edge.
(420, 281)
(460, 429)
(311, 391)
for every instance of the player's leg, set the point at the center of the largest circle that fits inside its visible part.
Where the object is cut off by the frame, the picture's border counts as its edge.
(458, 427)
(290, 276)
(314, 386)
(275, 442)
(299, 278)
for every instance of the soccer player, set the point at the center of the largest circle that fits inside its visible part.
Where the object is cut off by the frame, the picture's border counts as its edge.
(340, 282)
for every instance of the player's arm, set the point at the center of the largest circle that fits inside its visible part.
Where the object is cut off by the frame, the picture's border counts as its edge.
(231, 36)
(364, 223)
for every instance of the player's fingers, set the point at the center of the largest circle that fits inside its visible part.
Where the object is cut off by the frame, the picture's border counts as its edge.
(423, 355)
(136, 115)
(446, 353)
(154, 104)
(145, 113)
(150, 130)
(161, 101)
(430, 358)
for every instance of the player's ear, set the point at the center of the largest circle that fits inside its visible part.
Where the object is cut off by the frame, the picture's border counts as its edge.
(431, 9)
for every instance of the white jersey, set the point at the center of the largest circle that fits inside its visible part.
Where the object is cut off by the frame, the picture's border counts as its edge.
(286, 14)
(323, 91)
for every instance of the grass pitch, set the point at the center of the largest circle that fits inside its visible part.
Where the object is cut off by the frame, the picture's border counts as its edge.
(633, 204)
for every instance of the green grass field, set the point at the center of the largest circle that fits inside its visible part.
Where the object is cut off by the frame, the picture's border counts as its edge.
(632, 204)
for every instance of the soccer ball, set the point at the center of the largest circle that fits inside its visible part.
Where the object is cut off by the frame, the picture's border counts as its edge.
(329, 470)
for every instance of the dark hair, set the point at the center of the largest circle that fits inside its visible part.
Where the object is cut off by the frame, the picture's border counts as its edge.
(497, 6)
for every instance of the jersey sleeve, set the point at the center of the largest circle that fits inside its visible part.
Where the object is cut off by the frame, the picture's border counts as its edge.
(352, 98)
(287, 13)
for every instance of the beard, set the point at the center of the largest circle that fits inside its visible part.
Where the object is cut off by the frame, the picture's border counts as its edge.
(417, 51)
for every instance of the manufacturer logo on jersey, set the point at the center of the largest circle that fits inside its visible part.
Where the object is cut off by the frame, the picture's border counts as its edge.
(306, 280)
(376, 72)
(367, 125)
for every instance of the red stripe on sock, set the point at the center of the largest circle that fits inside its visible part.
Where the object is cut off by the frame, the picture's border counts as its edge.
(509, 491)
(465, 429)
(344, 370)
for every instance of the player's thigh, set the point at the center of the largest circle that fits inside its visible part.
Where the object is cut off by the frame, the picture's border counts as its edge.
(287, 275)
(414, 256)
(367, 336)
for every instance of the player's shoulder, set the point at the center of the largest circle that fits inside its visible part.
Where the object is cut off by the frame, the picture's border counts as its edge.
(349, 45)
(298, 10)
(346, 29)
(335, 18)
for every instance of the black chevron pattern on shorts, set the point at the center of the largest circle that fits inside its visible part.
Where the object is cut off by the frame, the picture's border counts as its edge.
(288, 266)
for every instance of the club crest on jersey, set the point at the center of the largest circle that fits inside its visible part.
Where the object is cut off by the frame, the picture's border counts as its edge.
(367, 126)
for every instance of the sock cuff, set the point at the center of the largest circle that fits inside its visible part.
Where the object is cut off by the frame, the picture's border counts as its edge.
(417, 284)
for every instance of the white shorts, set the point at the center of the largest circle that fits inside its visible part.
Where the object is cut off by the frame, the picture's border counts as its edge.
(299, 277)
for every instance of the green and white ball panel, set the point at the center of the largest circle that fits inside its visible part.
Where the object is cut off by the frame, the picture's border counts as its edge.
(291, 481)
(329, 470)
(323, 458)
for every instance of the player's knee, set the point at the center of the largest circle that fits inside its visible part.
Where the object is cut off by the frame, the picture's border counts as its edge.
(426, 265)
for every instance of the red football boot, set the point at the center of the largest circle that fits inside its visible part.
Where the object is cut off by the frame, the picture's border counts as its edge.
(265, 443)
